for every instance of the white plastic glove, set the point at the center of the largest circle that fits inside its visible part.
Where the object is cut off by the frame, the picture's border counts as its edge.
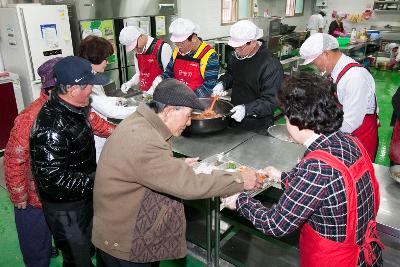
(239, 114)
(230, 202)
(156, 81)
(121, 101)
(273, 173)
(219, 90)
(134, 81)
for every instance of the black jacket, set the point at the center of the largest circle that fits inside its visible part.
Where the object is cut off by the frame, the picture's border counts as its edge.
(63, 155)
(255, 82)
(334, 25)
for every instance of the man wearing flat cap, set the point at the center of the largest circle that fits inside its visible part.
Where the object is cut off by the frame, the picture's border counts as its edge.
(138, 216)
(63, 159)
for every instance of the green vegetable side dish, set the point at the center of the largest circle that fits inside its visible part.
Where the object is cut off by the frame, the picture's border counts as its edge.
(231, 165)
(147, 98)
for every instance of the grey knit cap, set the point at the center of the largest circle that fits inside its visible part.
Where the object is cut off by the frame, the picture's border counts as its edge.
(175, 93)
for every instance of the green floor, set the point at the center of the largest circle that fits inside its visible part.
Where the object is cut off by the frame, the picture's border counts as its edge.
(387, 83)
(10, 255)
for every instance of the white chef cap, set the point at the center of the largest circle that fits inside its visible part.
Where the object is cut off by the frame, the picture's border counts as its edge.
(180, 29)
(315, 45)
(391, 46)
(129, 35)
(242, 32)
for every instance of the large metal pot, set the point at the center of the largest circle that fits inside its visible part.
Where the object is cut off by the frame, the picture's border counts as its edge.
(203, 126)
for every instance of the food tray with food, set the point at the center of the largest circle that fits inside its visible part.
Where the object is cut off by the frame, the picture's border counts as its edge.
(223, 162)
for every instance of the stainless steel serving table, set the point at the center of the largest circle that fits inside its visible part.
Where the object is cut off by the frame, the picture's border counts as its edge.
(355, 51)
(206, 145)
(388, 219)
(260, 151)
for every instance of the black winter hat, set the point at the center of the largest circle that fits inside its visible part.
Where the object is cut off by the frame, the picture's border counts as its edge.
(175, 93)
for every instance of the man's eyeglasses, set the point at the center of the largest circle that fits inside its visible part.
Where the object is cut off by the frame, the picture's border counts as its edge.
(243, 46)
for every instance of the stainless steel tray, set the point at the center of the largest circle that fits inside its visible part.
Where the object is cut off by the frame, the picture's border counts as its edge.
(221, 162)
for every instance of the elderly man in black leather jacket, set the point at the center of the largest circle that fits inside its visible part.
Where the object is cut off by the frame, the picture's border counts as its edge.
(64, 159)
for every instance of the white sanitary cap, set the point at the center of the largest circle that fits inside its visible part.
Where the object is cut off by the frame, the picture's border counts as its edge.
(129, 35)
(180, 29)
(391, 46)
(315, 45)
(242, 32)
(341, 14)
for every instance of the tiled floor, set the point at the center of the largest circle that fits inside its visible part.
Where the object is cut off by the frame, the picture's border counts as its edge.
(387, 83)
(10, 255)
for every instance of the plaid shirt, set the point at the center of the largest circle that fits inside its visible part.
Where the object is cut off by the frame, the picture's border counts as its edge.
(316, 195)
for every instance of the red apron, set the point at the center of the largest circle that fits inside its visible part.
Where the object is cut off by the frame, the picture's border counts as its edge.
(187, 70)
(394, 151)
(367, 133)
(337, 32)
(317, 251)
(149, 66)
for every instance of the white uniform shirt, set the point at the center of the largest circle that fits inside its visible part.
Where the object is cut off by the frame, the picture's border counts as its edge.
(166, 53)
(356, 93)
(106, 107)
(315, 23)
(395, 56)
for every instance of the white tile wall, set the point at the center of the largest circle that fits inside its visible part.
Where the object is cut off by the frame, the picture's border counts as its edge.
(207, 14)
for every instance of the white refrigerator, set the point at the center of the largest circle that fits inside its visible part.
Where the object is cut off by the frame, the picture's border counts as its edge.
(31, 34)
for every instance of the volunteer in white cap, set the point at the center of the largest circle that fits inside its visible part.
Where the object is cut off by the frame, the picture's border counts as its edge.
(393, 49)
(316, 23)
(355, 87)
(254, 76)
(336, 27)
(151, 56)
(193, 62)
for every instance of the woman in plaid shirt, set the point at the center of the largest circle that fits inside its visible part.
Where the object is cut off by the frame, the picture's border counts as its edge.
(332, 194)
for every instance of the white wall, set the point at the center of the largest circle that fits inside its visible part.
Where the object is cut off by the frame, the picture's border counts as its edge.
(277, 8)
(207, 14)
(379, 19)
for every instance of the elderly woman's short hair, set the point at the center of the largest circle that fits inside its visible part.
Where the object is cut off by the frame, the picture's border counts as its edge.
(309, 101)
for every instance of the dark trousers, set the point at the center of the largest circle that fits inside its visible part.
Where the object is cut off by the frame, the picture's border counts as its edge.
(71, 227)
(34, 236)
(106, 260)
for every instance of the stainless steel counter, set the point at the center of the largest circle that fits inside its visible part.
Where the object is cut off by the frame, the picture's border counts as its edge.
(206, 145)
(261, 151)
(352, 47)
(388, 222)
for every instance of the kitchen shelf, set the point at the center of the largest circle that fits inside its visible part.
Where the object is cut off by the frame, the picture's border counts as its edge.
(387, 6)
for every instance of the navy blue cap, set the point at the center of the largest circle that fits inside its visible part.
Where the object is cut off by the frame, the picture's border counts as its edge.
(76, 71)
